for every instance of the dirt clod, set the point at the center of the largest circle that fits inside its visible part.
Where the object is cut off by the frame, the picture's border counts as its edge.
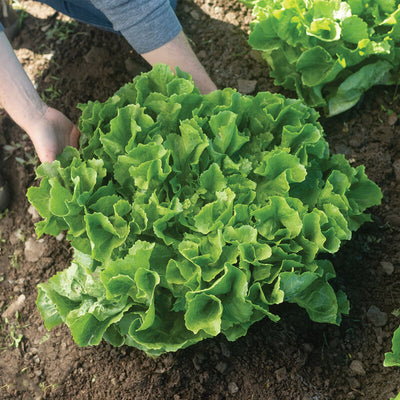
(34, 249)
(387, 267)
(34, 213)
(246, 86)
(357, 368)
(376, 316)
(233, 388)
(14, 307)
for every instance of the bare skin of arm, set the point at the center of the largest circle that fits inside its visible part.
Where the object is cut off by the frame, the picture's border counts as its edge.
(178, 52)
(49, 129)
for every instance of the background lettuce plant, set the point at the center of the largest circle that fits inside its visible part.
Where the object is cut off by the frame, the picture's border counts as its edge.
(330, 52)
(192, 215)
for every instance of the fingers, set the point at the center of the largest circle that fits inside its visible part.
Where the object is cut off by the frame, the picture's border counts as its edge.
(54, 132)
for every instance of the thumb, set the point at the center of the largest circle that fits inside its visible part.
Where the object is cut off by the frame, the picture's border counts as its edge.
(74, 137)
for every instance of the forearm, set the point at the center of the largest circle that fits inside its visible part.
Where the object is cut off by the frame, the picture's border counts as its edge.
(17, 94)
(178, 52)
(153, 30)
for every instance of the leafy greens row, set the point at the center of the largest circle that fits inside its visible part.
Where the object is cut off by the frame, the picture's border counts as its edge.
(192, 215)
(330, 52)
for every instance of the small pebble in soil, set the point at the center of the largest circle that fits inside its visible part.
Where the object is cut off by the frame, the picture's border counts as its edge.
(357, 368)
(34, 213)
(160, 369)
(233, 388)
(388, 267)
(246, 86)
(34, 249)
(281, 374)
(195, 15)
(14, 307)
(60, 237)
(376, 316)
(202, 54)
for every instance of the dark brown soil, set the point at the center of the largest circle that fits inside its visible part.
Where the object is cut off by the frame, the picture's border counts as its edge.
(293, 359)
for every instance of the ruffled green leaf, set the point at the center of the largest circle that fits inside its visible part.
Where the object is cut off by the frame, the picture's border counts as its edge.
(187, 147)
(312, 293)
(277, 220)
(227, 138)
(204, 312)
(354, 29)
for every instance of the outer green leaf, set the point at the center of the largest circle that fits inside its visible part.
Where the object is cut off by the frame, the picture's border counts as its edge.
(393, 359)
(350, 91)
(227, 140)
(204, 313)
(317, 67)
(187, 147)
(354, 29)
(312, 293)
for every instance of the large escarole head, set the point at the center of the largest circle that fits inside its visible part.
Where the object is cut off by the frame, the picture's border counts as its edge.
(192, 215)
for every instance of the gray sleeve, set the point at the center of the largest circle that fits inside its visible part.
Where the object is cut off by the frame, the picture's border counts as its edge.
(145, 24)
(1, 27)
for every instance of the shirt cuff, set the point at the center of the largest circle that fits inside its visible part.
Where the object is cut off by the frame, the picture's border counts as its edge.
(146, 25)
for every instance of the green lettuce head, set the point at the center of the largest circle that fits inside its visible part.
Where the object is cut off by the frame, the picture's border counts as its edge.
(192, 215)
(329, 52)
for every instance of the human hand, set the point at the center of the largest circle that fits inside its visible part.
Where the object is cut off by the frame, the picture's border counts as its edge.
(51, 133)
(50, 130)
